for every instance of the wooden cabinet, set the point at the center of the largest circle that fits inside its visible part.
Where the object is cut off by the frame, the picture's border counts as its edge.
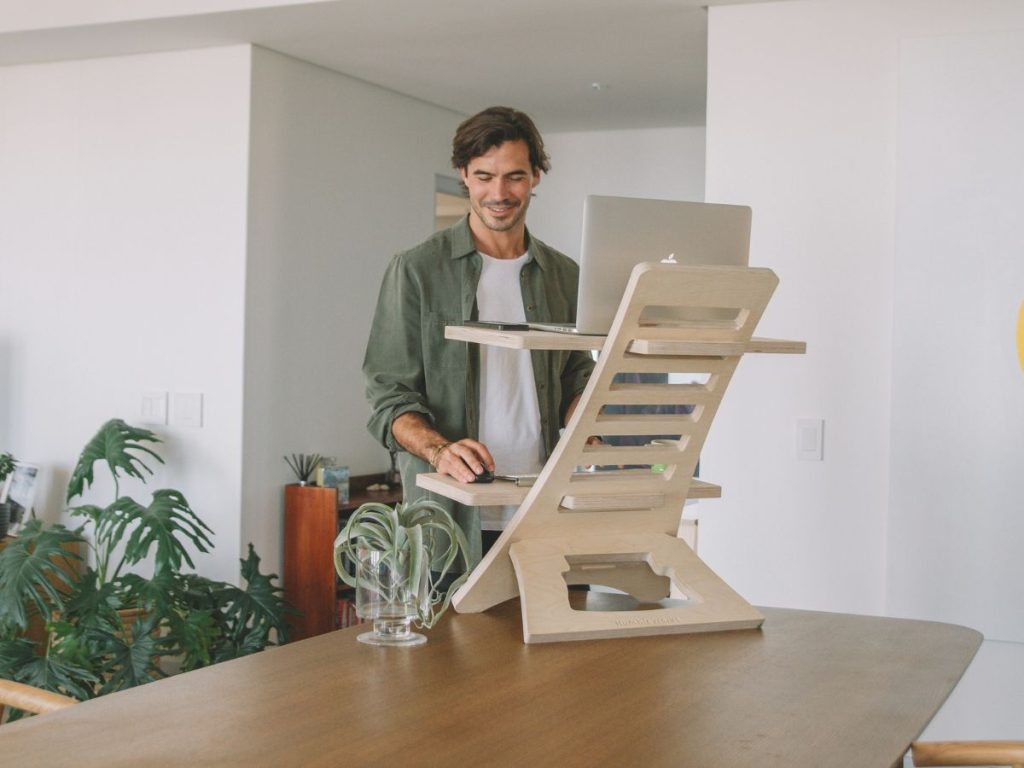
(312, 519)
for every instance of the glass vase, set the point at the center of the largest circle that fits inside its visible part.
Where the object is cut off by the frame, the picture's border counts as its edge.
(391, 597)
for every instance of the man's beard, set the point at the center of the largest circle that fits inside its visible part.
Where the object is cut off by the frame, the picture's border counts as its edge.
(504, 224)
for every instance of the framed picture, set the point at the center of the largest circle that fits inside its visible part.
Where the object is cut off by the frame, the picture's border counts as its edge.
(20, 492)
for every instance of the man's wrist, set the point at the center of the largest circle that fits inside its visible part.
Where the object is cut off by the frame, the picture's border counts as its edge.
(436, 451)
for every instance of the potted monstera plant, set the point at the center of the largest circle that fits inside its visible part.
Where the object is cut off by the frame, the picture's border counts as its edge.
(399, 561)
(108, 627)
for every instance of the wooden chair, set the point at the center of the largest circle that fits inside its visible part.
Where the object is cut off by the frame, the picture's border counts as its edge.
(31, 699)
(967, 753)
(619, 529)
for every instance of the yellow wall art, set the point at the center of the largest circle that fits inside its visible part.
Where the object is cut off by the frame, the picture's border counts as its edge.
(1020, 336)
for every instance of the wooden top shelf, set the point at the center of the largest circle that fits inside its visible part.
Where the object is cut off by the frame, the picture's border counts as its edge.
(502, 492)
(549, 340)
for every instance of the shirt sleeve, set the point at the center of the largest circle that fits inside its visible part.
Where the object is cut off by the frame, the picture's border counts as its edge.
(575, 376)
(393, 364)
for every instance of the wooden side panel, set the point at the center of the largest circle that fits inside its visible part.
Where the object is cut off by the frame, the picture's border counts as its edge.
(311, 522)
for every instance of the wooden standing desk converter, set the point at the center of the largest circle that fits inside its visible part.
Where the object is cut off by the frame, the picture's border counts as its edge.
(807, 690)
(621, 529)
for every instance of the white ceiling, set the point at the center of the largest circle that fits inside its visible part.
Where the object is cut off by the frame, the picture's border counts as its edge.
(542, 56)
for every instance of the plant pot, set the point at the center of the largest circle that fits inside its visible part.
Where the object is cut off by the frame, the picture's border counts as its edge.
(387, 596)
(5, 518)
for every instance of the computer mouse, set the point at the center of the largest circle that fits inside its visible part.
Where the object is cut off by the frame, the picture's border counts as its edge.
(486, 476)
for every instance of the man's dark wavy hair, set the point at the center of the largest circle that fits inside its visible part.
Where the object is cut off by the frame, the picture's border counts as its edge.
(493, 127)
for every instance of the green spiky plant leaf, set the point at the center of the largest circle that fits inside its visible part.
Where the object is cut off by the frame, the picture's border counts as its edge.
(252, 611)
(95, 604)
(30, 574)
(130, 657)
(196, 634)
(420, 539)
(120, 446)
(167, 523)
(7, 465)
(160, 594)
(58, 672)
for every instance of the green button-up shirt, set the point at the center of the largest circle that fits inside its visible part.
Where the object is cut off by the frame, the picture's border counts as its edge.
(410, 366)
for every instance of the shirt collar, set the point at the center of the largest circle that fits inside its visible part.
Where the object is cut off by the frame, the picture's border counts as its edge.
(462, 244)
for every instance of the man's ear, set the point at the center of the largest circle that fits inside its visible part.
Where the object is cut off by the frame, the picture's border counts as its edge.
(536, 178)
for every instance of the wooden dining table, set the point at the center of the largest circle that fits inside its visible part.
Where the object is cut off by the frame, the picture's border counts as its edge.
(806, 689)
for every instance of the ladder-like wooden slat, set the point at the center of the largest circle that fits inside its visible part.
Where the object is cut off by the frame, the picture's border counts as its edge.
(660, 394)
(640, 424)
(669, 364)
(603, 455)
(634, 481)
(615, 501)
(675, 347)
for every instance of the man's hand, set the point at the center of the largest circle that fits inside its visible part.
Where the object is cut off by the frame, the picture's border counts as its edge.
(463, 459)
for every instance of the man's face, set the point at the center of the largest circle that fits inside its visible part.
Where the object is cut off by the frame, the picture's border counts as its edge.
(500, 182)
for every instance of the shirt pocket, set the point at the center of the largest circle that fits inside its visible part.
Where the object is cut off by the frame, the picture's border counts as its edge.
(439, 352)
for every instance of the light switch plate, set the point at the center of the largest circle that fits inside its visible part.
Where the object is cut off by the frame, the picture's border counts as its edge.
(810, 439)
(154, 407)
(188, 409)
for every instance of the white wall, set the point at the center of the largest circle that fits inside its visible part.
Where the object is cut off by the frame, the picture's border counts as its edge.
(341, 178)
(666, 163)
(817, 120)
(793, 94)
(956, 523)
(122, 253)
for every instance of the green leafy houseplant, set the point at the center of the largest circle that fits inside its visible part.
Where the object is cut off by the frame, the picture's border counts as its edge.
(7, 465)
(107, 627)
(397, 559)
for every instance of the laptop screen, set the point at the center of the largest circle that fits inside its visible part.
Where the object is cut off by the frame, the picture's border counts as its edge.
(621, 232)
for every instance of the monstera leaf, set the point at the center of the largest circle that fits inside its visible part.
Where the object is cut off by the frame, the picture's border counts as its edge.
(131, 658)
(254, 609)
(30, 572)
(165, 523)
(118, 444)
(94, 604)
(159, 594)
(51, 672)
(196, 634)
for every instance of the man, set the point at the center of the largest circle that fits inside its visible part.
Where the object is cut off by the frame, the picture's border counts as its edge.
(463, 408)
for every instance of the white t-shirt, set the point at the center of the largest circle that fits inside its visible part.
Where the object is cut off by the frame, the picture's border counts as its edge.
(509, 411)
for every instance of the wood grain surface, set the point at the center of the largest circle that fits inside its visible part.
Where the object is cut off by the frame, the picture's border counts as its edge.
(549, 340)
(807, 689)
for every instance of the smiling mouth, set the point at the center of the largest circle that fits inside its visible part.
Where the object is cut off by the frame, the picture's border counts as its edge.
(500, 208)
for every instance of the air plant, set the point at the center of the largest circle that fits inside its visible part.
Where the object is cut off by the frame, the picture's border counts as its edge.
(410, 539)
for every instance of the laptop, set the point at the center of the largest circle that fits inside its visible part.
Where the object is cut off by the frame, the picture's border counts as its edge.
(621, 232)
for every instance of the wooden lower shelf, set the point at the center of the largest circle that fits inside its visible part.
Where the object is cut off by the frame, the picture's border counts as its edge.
(502, 492)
